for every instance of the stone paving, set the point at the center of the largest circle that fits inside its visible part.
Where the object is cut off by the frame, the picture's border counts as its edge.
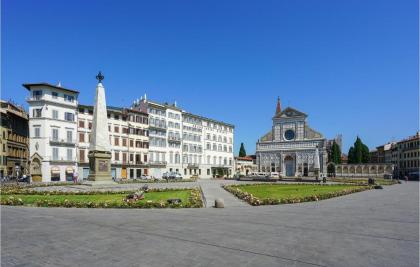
(371, 228)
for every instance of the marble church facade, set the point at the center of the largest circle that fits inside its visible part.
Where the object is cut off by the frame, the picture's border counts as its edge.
(291, 147)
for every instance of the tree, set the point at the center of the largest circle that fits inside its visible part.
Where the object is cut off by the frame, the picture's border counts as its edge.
(350, 156)
(365, 154)
(242, 152)
(335, 154)
(359, 152)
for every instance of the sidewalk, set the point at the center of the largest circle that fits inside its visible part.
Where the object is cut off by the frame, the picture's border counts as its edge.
(212, 189)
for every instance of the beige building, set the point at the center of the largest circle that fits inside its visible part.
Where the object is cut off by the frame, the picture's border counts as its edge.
(14, 140)
(245, 165)
(128, 136)
(405, 156)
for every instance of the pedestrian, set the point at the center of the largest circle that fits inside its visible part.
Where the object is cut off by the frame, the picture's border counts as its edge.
(75, 177)
(406, 178)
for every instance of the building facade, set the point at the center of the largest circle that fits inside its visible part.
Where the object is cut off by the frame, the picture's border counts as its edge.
(185, 143)
(148, 138)
(14, 141)
(383, 153)
(291, 148)
(53, 132)
(245, 165)
(406, 157)
(128, 136)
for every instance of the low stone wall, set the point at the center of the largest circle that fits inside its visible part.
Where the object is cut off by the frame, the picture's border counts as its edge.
(364, 170)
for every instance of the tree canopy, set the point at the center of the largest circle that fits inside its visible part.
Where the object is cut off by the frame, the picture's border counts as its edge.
(335, 153)
(242, 152)
(358, 153)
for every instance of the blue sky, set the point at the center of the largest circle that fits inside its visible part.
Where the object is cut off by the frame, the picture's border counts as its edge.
(352, 66)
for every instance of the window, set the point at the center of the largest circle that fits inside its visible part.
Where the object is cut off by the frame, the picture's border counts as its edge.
(116, 141)
(69, 154)
(68, 116)
(37, 132)
(81, 124)
(54, 95)
(55, 153)
(68, 98)
(82, 155)
(81, 137)
(55, 134)
(69, 136)
(55, 114)
(145, 158)
(116, 129)
(90, 125)
(37, 94)
(124, 142)
(37, 112)
(117, 155)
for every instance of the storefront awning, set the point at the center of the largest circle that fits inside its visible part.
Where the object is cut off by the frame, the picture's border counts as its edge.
(55, 170)
(69, 170)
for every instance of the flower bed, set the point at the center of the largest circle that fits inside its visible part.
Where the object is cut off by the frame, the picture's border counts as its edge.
(364, 181)
(281, 197)
(155, 198)
(139, 181)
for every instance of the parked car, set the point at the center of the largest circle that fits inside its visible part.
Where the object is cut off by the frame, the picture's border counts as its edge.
(274, 175)
(177, 176)
(171, 176)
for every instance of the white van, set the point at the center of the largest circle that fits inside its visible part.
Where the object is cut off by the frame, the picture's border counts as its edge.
(274, 175)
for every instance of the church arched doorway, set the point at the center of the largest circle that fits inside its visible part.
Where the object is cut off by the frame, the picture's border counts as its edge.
(305, 169)
(289, 165)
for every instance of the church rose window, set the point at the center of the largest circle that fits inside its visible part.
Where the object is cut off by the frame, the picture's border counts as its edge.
(289, 135)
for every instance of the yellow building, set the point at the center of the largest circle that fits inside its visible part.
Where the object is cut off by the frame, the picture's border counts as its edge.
(14, 140)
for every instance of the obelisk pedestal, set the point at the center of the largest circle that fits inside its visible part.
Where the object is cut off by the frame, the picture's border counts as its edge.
(100, 147)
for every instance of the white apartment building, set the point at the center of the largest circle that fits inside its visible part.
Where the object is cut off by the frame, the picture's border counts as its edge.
(218, 150)
(52, 131)
(128, 136)
(187, 143)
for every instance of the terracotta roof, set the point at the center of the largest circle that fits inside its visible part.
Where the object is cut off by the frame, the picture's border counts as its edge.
(248, 158)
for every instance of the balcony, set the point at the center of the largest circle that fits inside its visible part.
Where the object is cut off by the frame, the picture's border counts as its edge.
(174, 139)
(193, 166)
(157, 126)
(62, 160)
(158, 163)
(33, 98)
(62, 142)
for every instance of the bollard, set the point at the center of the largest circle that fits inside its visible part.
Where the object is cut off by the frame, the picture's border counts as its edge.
(218, 203)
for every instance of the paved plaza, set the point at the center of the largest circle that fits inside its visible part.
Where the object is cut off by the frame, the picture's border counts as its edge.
(371, 228)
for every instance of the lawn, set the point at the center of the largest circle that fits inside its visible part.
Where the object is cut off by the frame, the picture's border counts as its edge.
(266, 194)
(189, 198)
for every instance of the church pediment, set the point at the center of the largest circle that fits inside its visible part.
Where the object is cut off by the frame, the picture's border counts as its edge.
(290, 113)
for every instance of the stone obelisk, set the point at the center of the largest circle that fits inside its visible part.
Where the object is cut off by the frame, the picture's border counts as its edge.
(100, 148)
(316, 163)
